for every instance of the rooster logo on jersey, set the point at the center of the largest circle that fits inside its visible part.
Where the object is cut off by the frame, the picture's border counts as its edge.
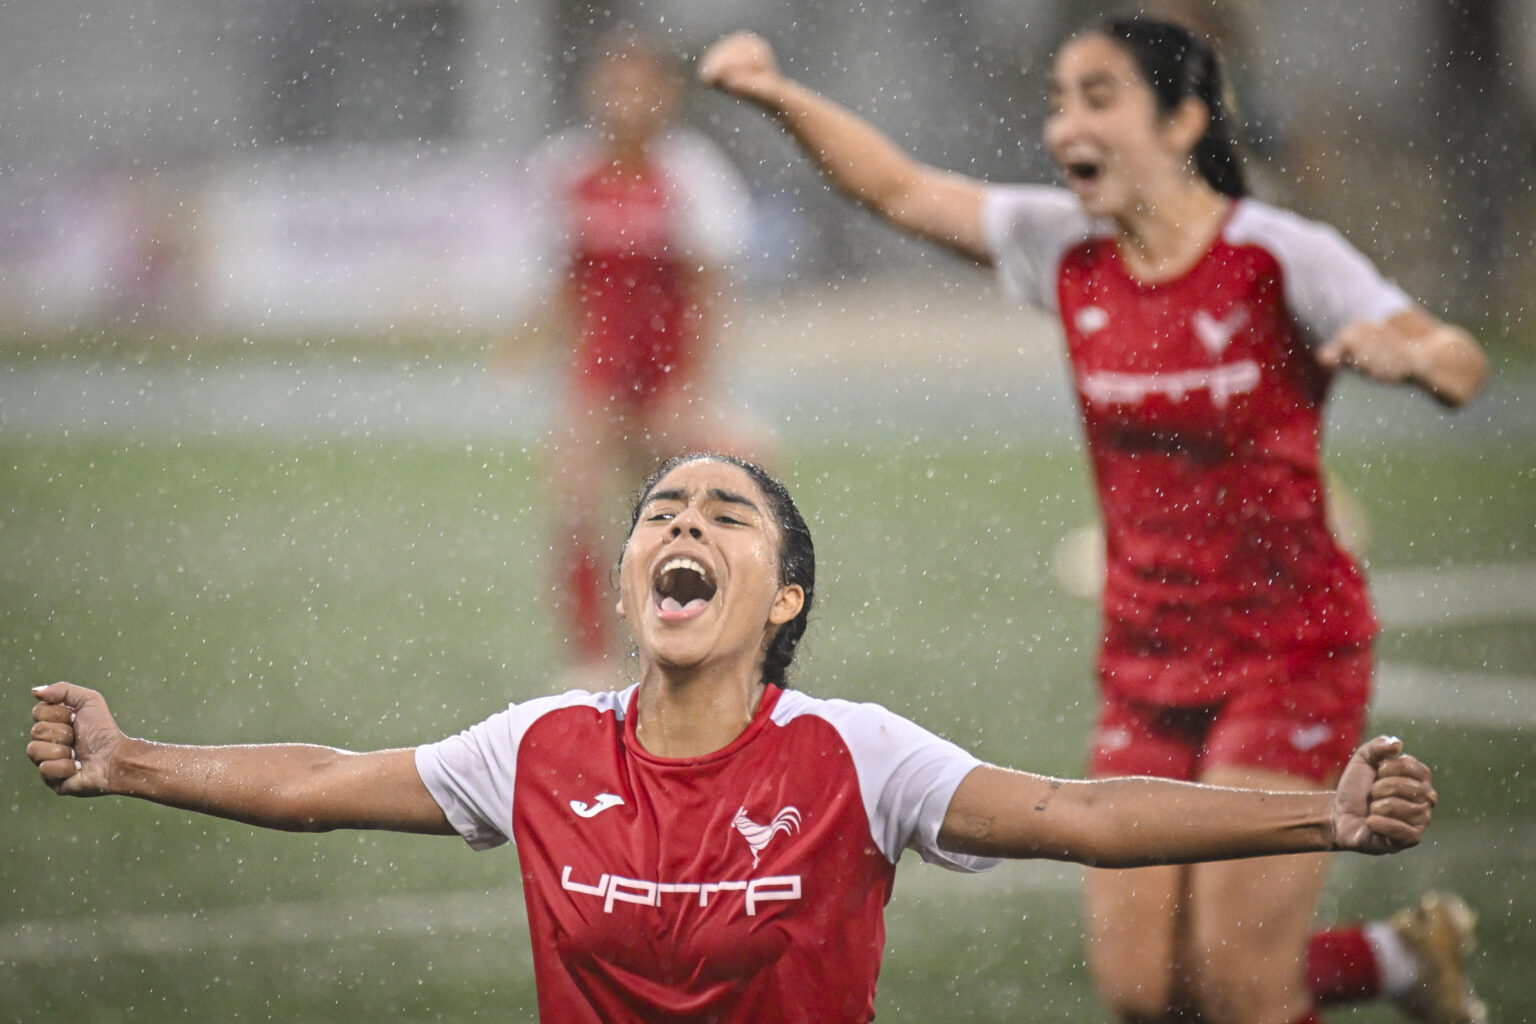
(1216, 334)
(757, 836)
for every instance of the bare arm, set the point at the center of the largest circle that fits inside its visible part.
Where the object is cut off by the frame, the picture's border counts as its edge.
(1382, 805)
(80, 751)
(861, 162)
(1412, 347)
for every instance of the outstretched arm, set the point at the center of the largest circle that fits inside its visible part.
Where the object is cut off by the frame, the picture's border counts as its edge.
(1382, 805)
(80, 751)
(1412, 347)
(857, 159)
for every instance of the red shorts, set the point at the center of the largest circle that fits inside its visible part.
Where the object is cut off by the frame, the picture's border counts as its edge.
(1307, 728)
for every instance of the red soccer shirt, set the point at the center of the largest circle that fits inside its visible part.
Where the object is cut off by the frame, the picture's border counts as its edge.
(628, 244)
(747, 885)
(1202, 403)
(637, 317)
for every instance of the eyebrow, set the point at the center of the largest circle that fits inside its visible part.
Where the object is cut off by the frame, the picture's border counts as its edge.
(715, 494)
(1093, 79)
(1097, 79)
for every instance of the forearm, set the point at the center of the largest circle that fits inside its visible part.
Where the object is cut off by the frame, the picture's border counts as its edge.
(851, 153)
(1129, 822)
(864, 164)
(293, 787)
(1412, 347)
(854, 155)
(1135, 821)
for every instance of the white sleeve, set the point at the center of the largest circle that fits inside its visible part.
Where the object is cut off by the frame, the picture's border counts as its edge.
(472, 775)
(1328, 283)
(907, 776)
(1028, 229)
(713, 200)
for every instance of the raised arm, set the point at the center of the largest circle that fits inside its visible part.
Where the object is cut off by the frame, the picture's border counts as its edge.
(1412, 347)
(861, 162)
(80, 751)
(1382, 805)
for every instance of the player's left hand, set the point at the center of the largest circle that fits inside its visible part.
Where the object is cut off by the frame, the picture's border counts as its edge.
(1383, 801)
(1378, 350)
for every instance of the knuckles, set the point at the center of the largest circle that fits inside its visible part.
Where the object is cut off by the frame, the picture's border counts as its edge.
(52, 713)
(42, 752)
(53, 732)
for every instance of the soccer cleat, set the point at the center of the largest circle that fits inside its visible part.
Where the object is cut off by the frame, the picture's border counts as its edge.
(1437, 932)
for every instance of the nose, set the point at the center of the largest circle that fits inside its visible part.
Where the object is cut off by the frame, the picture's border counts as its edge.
(1057, 128)
(687, 521)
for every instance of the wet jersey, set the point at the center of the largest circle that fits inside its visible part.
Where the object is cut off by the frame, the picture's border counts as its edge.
(745, 885)
(629, 244)
(1202, 402)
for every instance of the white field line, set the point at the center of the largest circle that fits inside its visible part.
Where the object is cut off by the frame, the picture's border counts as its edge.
(258, 925)
(1447, 596)
(1465, 698)
(1422, 598)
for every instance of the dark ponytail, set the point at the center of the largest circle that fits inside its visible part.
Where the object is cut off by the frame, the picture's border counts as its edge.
(797, 555)
(1180, 65)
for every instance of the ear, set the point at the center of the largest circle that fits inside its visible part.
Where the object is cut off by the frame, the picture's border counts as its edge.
(787, 604)
(1186, 125)
(618, 607)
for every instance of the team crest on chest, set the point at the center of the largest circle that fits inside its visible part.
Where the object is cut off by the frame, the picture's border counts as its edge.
(758, 836)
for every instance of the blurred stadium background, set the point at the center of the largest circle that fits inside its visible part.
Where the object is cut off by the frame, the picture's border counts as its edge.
(344, 166)
(270, 416)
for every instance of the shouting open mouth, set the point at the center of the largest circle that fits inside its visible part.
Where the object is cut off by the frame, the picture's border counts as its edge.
(1082, 170)
(683, 589)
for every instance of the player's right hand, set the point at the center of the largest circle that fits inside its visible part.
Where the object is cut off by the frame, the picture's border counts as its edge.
(73, 735)
(742, 63)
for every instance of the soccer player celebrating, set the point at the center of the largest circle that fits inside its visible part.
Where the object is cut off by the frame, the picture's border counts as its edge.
(636, 219)
(1203, 328)
(708, 844)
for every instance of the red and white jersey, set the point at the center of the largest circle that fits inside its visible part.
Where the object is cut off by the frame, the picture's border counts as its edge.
(629, 243)
(1202, 401)
(746, 885)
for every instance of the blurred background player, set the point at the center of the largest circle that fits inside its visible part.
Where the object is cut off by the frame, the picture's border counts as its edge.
(1203, 329)
(641, 218)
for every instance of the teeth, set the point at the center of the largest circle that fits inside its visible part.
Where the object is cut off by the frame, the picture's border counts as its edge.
(682, 584)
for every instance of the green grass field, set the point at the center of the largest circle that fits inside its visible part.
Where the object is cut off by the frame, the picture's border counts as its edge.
(389, 592)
